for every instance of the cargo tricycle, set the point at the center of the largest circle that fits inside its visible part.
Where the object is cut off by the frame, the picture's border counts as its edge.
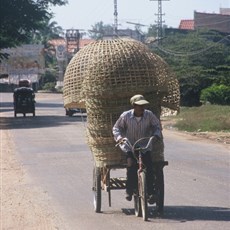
(103, 181)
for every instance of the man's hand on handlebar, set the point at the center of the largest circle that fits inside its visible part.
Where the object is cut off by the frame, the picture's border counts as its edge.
(121, 141)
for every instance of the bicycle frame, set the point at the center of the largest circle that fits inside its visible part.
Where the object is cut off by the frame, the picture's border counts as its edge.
(140, 164)
(103, 181)
(140, 199)
(139, 149)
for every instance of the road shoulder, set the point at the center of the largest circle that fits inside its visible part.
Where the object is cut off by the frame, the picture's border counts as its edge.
(23, 205)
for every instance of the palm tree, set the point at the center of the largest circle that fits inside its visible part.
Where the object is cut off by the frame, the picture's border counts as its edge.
(50, 30)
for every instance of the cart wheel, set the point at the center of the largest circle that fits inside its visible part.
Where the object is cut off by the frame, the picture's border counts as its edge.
(97, 189)
(160, 191)
(137, 205)
(143, 195)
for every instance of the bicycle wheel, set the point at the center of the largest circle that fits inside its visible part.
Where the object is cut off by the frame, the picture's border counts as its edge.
(97, 189)
(143, 195)
(160, 191)
(137, 205)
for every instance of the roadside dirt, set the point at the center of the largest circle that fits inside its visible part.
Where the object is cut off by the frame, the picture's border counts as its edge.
(218, 137)
(25, 206)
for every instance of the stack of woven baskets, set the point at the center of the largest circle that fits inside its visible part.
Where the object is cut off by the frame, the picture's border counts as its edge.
(103, 76)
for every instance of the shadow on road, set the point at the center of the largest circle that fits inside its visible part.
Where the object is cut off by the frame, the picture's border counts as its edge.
(9, 106)
(29, 121)
(39, 121)
(49, 105)
(189, 213)
(6, 107)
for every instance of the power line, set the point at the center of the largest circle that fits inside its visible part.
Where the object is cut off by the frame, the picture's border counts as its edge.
(193, 53)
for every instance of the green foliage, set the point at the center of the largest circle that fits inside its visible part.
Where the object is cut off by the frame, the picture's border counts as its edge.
(49, 31)
(99, 30)
(49, 86)
(216, 94)
(152, 31)
(204, 118)
(48, 79)
(199, 59)
(21, 19)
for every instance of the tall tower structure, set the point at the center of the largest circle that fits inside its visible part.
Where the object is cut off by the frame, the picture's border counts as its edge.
(115, 18)
(159, 21)
(72, 42)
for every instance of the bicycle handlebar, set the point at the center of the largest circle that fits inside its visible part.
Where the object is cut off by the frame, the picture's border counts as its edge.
(127, 142)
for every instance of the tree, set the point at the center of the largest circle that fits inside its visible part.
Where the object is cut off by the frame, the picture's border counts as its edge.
(99, 30)
(21, 19)
(216, 94)
(152, 30)
(50, 30)
(199, 58)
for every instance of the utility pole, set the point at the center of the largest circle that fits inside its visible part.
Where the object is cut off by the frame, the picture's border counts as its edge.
(115, 18)
(159, 21)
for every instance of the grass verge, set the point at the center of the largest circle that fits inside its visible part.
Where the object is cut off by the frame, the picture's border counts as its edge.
(212, 118)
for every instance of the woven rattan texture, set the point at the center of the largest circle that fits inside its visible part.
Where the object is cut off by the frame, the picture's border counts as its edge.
(103, 76)
(74, 75)
(116, 68)
(120, 68)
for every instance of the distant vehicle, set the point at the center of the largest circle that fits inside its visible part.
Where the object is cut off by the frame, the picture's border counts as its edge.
(24, 101)
(70, 111)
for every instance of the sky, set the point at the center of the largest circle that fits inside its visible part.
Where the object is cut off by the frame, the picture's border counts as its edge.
(83, 14)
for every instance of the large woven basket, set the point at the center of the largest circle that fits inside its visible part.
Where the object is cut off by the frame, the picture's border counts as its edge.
(103, 76)
(121, 65)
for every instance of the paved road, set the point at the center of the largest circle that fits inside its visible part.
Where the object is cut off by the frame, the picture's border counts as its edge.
(52, 148)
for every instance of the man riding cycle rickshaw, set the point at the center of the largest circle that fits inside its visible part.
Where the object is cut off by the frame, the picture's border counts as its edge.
(133, 125)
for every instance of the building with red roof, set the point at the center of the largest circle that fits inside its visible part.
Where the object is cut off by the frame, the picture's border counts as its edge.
(211, 21)
(186, 24)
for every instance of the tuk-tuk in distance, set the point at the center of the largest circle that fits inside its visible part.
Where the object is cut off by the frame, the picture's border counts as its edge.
(24, 100)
